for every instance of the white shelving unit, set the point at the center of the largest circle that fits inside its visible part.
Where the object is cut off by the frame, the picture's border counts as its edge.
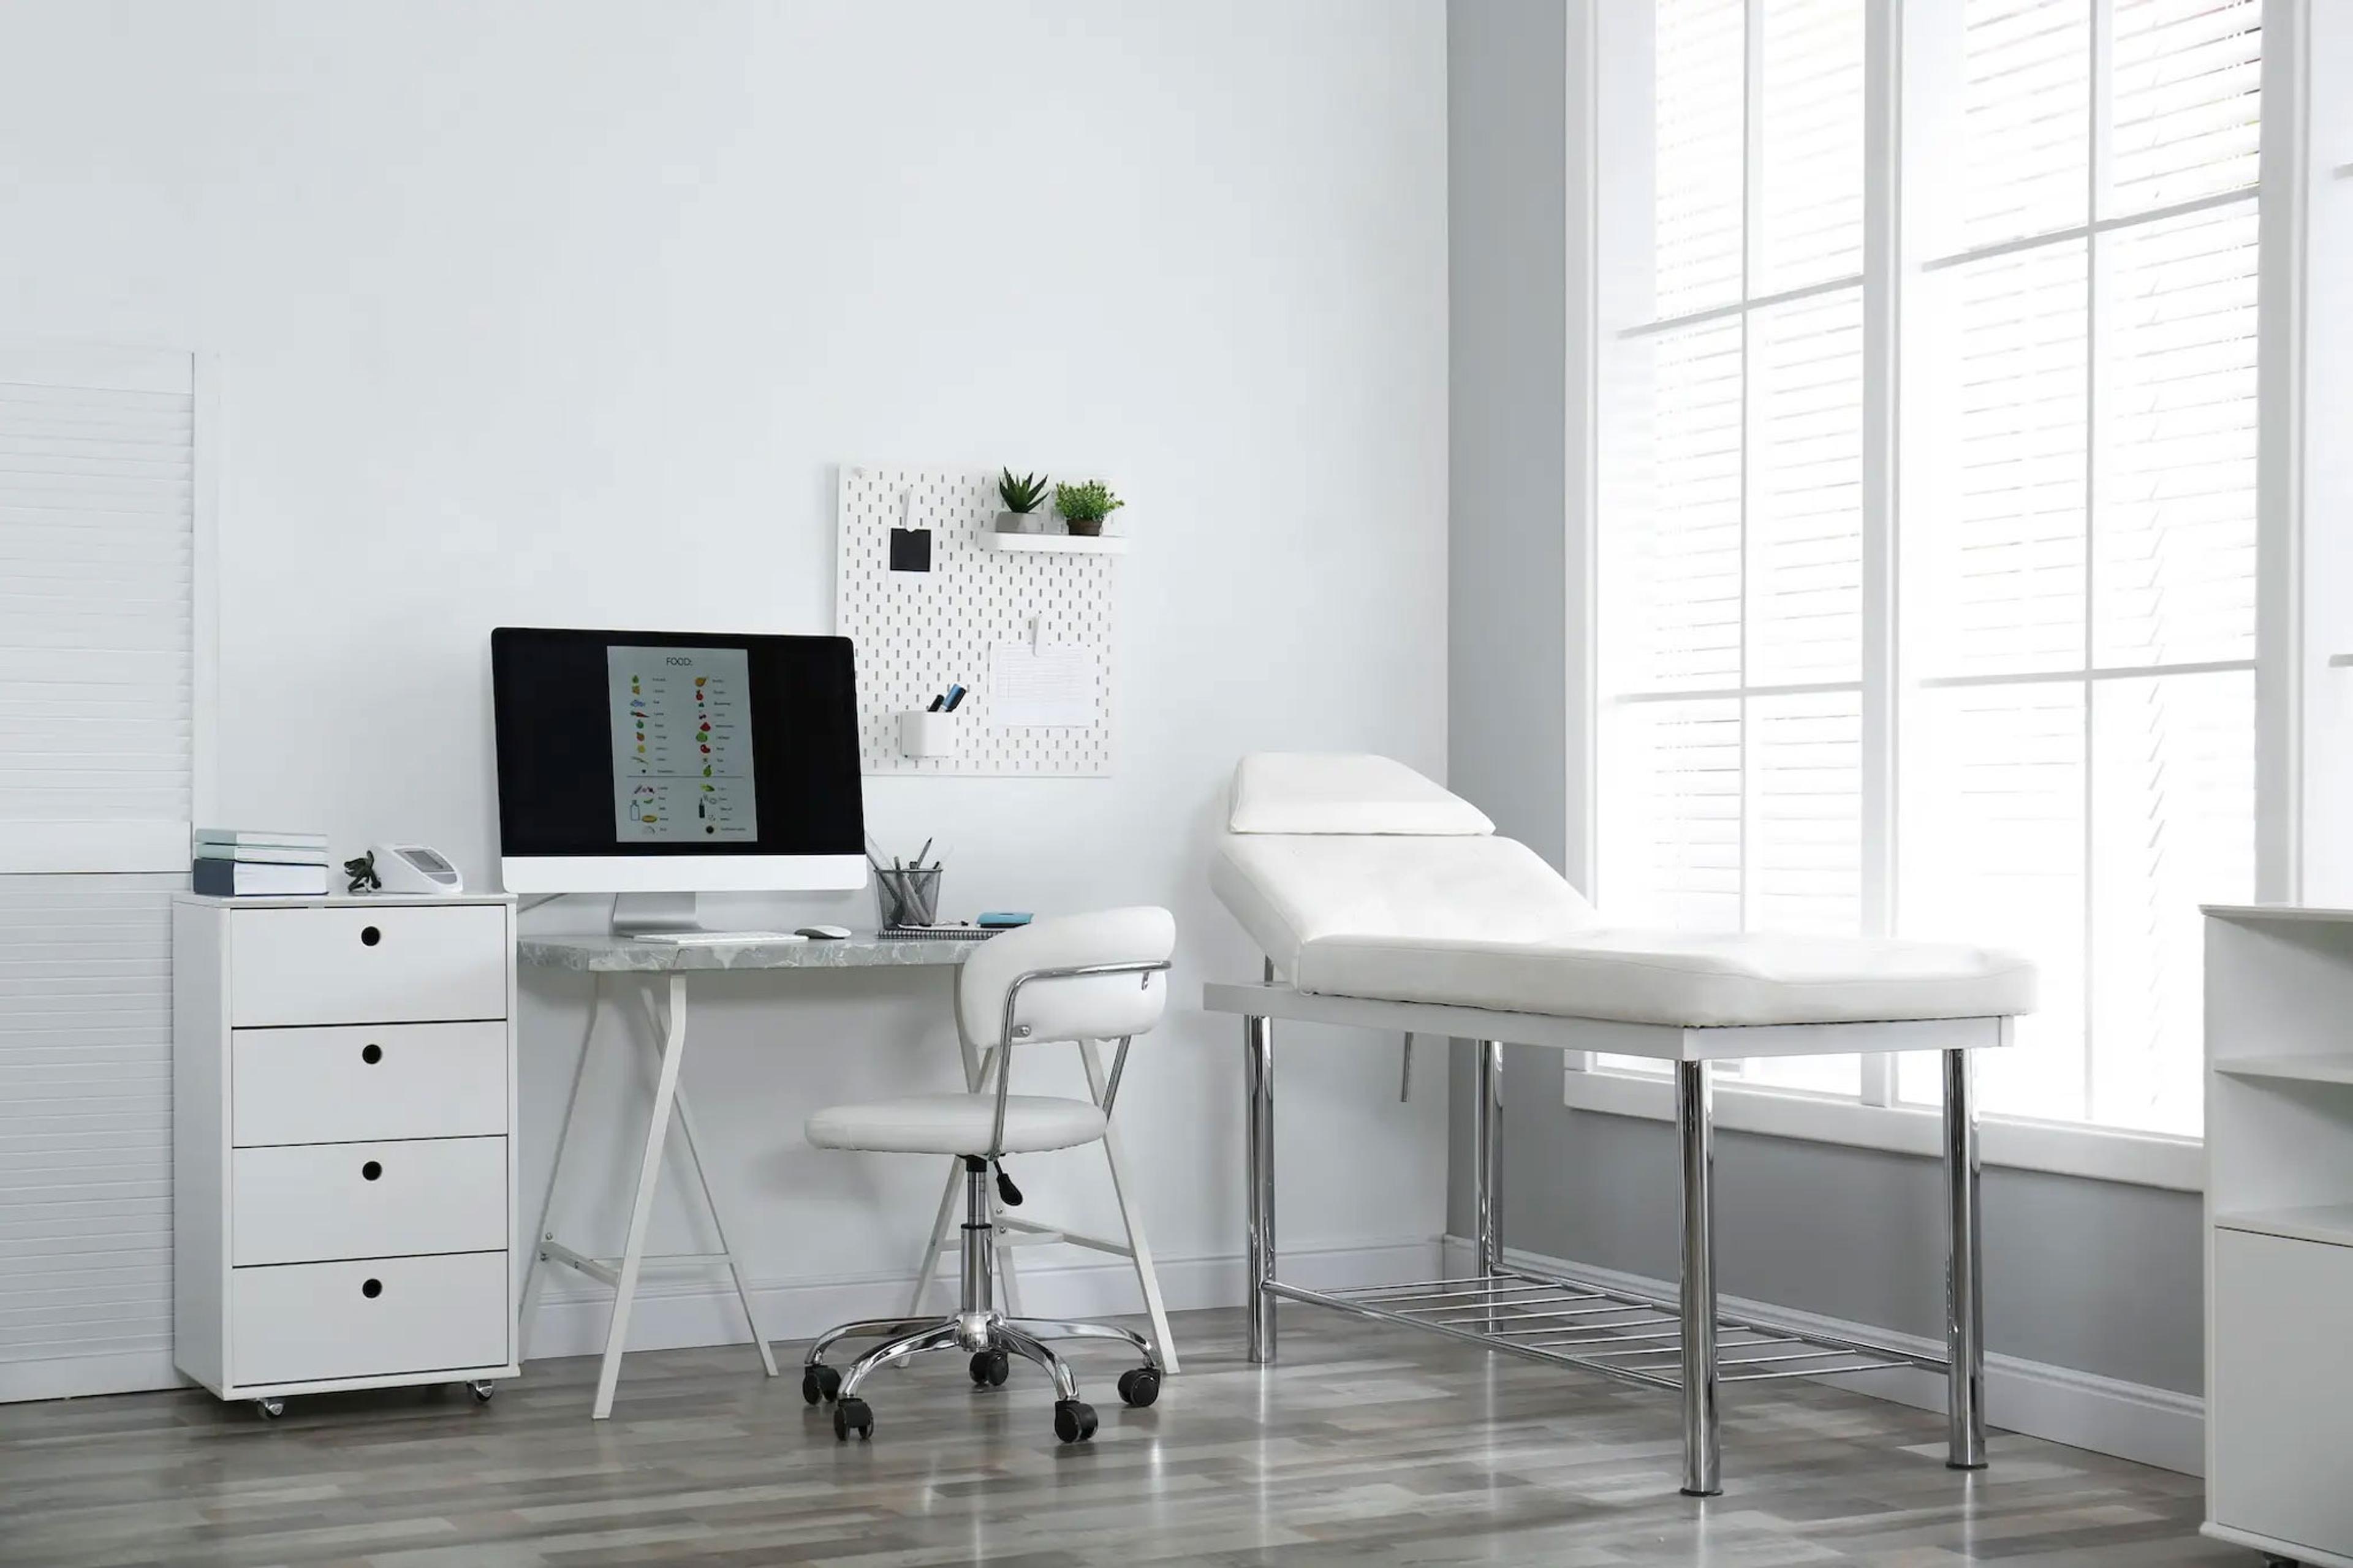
(2279, 1231)
(997, 543)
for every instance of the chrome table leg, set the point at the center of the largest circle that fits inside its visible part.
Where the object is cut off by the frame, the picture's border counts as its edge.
(1695, 1135)
(1965, 1428)
(1257, 1138)
(1487, 1155)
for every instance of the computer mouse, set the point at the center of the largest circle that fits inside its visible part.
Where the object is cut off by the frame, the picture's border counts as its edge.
(825, 933)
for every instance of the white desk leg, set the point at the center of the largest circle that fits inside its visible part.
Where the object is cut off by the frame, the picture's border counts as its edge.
(633, 1251)
(1138, 1249)
(533, 1275)
(718, 1220)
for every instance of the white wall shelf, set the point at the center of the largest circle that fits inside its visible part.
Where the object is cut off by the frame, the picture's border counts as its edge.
(2295, 1070)
(2331, 1224)
(1052, 543)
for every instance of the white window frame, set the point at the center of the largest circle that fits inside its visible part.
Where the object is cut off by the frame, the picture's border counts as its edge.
(1615, 113)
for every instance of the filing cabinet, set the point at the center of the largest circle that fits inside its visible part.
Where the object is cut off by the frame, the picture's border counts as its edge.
(343, 1123)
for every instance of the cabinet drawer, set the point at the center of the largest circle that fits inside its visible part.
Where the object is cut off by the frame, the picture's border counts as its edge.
(311, 1202)
(307, 1323)
(2282, 1389)
(369, 1081)
(368, 965)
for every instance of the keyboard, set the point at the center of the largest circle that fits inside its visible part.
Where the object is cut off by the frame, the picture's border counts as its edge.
(720, 938)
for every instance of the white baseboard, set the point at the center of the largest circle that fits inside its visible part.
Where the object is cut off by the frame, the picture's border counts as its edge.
(72, 1377)
(2128, 1420)
(697, 1308)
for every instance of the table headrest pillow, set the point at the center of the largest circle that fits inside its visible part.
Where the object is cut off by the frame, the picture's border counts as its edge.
(1343, 793)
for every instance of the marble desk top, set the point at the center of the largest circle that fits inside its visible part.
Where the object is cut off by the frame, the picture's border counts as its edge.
(623, 955)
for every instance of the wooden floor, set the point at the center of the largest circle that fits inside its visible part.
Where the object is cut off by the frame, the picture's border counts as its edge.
(1365, 1445)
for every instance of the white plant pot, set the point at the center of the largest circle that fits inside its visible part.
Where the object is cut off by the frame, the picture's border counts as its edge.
(1020, 523)
(927, 735)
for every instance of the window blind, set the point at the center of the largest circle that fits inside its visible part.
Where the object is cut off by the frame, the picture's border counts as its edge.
(2068, 655)
(98, 474)
(2078, 614)
(1731, 637)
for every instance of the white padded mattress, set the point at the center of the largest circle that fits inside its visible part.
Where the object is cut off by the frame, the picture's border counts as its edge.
(1678, 978)
(1360, 878)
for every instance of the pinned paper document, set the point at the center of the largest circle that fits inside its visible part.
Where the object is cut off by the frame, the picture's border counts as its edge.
(1041, 683)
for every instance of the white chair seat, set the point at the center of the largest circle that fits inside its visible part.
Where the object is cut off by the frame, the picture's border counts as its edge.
(957, 1124)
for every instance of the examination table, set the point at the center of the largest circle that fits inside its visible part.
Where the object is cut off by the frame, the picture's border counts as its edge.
(1381, 901)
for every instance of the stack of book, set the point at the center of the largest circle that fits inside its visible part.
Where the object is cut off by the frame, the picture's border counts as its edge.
(239, 863)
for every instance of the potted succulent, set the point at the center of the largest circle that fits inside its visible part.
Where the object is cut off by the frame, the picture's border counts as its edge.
(1084, 506)
(1022, 498)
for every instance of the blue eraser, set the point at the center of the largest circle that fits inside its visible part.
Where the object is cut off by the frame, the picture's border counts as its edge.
(999, 919)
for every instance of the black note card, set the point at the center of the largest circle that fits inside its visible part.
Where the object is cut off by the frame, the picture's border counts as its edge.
(911, 550)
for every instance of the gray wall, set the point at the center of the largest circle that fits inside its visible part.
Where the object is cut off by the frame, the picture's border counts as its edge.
(2098, 1277)
(1507, 252)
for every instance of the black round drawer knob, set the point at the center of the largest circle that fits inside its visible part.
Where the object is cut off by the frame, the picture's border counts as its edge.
(370, 936)
(371, 1170)
(371, 1054)
(372, 1290)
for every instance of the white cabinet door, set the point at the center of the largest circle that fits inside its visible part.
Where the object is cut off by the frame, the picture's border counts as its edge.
(2282, 1383)
(367, 1081)
(315, 1322)
(313, 1202)
(342, 965)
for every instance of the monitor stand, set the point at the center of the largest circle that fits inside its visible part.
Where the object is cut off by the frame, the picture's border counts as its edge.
(648, 914)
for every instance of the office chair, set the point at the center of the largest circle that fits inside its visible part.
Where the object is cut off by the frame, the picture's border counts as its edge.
(1074, 977)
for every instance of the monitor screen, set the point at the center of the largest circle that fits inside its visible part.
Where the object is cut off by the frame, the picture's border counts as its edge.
(668, 743)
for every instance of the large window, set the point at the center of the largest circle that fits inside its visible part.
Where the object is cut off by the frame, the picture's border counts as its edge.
(1927, 562)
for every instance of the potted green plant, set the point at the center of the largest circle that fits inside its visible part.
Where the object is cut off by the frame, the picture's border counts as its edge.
(1084, 506)
(1022, 498)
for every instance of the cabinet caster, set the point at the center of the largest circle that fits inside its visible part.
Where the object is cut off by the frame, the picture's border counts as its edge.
(821, 1384)
(1074, 1420)
(271, 1409)
(990, 1368)
(1139, 1386)
(852, 1415)
(481, 1390)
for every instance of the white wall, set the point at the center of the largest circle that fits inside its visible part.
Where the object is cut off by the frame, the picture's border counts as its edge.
(560, 314)
(2325, 461)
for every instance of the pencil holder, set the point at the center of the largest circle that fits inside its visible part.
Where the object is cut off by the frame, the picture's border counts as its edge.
(908, 898)
(927, 734)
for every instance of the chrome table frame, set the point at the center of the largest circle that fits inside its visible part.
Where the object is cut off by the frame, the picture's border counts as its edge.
(1685, 1344)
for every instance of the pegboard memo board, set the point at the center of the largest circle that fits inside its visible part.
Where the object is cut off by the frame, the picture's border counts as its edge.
(917, 631)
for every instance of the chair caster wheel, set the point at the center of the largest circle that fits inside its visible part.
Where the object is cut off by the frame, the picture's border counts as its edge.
(851, 1415)
(271, 1409)
(990, 1368)
(821, 1384)
(481, 1390)
(1074, 1420)
(1139, 1386)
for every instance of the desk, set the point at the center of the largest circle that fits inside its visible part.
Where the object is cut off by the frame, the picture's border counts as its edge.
(664, 974)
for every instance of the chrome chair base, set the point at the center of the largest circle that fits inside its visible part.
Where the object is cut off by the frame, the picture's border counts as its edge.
(991, 1337)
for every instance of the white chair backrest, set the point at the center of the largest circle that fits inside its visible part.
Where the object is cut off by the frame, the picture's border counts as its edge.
(1085, 1008)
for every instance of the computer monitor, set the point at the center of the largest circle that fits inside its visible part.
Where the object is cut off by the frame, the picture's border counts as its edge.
(673, 764)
